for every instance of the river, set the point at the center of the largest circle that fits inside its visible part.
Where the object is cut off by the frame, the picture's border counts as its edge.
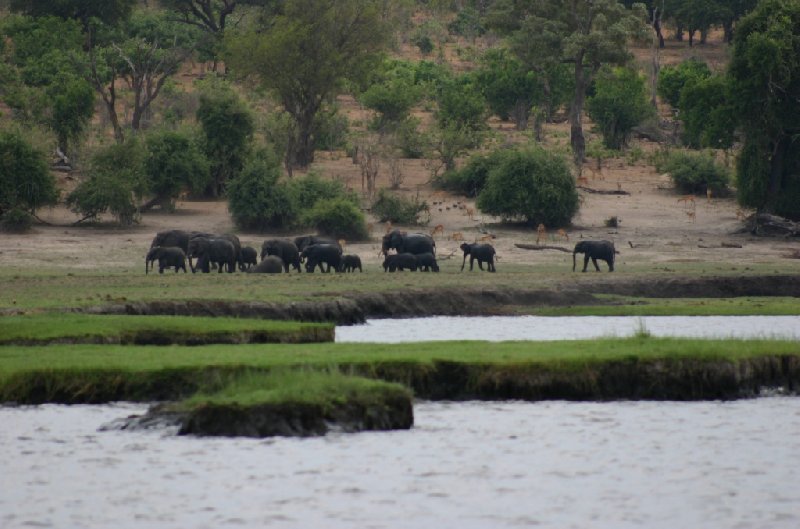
(464, 465)
(499, 328)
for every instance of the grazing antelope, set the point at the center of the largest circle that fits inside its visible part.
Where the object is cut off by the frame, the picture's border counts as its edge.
(457, 236)
(563, 234)
(692, 214)
(541, 233)
(487, 237)
(687, 199)
(439, 228)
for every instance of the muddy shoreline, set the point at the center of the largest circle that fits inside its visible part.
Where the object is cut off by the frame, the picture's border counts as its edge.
(351, 309)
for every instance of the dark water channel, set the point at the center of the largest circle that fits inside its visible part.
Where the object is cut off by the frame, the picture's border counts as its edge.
(467, 465)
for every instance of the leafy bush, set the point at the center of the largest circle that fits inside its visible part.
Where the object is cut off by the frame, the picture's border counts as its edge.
(16, 220)
(695, 172)
(174, 162)
(672, 79)
(116, 183)
(708, 114)
(532, 185)
(461, 104)
(407, 137)
(467, 24)
(392, 95)
(256, 198)
(305, 191)
(398, 209)
(25, 180)
(619, 103)
(337, 217)
(510, 90)
(331, 129)
(471, 179)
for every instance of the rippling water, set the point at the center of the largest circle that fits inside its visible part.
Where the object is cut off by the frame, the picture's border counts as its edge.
(464, 465)
(499, 328)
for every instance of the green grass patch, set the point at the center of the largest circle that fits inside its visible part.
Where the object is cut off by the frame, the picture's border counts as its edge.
(635, 306)
(85, 328)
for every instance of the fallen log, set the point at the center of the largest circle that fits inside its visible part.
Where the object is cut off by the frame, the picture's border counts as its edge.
(541, 247)
(766, 224)
(603, 191)
(722, 245)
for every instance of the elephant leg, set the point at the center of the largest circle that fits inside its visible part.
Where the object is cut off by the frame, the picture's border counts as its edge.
(586, 258)
(472, 263)
(464, 261)
(480, 265)
(594, 262)
(490, 266)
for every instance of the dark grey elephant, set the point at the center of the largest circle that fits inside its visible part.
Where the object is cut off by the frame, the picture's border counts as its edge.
(426, 262)
(172, 238)
(595, 250)
(168, 257)
(284, 249)
(247, 257)
(271, 264)
(413, 243)
(400, 261)
(483, 253)
(350, 263)
(212, 250)
(319, 254)
(304, 241)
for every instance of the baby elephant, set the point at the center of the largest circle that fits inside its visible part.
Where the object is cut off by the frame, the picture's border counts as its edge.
(427, 262)
(168, 257)
(269, 265)
(594, 250)
(481, 252)
(400, 261)
(247, 257)
(350, 263)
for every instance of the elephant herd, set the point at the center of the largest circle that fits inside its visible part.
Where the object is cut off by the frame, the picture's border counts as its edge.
(413, 251)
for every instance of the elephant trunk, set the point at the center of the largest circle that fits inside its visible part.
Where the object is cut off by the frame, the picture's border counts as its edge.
(146, 265)
(573, 260)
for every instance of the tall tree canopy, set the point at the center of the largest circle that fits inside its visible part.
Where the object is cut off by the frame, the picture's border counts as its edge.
(765, 77)
(583, 33)
(305, 54)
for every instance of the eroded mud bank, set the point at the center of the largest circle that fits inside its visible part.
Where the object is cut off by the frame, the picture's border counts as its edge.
(349, 309)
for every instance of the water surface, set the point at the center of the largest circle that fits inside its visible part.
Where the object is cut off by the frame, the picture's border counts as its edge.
(500, 328)
(464, 465)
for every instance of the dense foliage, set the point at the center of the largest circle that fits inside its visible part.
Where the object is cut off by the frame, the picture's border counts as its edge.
(337, 217)
(256, 199)
(392, 207)
(672, 79)
(26, 183)
(619, 103)
(696, 172)
(174, 164)
(471, 179)
(531, 185)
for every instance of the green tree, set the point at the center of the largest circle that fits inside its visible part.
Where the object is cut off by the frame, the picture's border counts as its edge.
(257, 199)
(585, 34)
(709, 120)
(337, 217)
(531, 185)
(672, 79)
(305, 55)
(174, 163)
(116, 182)
(25, 179)
(107, 11)
(765, 77)
(618, 104)
(227, 127)
(392, 94)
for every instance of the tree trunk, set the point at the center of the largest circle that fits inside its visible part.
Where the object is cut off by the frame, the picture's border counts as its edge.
(521, 113)
(303, 144)
(577, 140)
(119, 135)
(679, 33)
(776, 169)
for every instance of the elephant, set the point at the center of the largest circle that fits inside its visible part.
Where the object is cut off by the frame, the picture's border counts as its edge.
(427, 262)
(595, 250)
(247, 258)
(285, 249)
(350, 263)
(168, 257)
(233, 239)
(305, 241)
(176, 238)
(212, 250)
(319, 254)
(271, 264)
(480, 252)
(413, 243)
(400, 261)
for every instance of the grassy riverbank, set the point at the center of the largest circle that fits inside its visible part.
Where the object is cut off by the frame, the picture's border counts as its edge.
(652, 368)
(155, 330)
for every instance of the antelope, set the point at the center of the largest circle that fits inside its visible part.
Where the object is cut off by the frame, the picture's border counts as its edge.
(686, 199)
(563, 234)
(709, 194)
(342, 243)
(692, 214)
(470, 212)
(487, 237)
(439, 228)
(457, 236)
(541, 233)
(388, 226)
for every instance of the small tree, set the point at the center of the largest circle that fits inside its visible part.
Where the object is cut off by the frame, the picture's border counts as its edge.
(696, 172)
(257, 199)
(618, 104)
(709, 119)
(532, 185)
(116, 183)
(227, 125)
(174, 163)
(338, 217)
(25, 180)
(672, 79)
(395, 208)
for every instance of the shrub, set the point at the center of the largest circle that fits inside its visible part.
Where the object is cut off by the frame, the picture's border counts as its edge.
(331, 129)
(411, 142)
(25, 180)
(471, 179)
(174, 162)
(467, 24)
(116, 183)
(16, 220)
(398, 209)
(672, 79)
(305, 191)
(392, 99)
(337, 217)
(461, 104)
(695, 172)
(532, 185)
(619, 103)
(256, 198)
